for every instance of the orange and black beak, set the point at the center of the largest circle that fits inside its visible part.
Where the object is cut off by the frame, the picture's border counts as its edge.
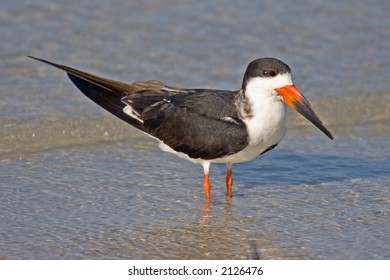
(294, 98)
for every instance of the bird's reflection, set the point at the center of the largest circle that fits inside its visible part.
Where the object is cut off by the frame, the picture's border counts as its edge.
(208, 211)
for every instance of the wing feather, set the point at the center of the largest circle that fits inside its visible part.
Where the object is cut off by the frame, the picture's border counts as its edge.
(202, 123)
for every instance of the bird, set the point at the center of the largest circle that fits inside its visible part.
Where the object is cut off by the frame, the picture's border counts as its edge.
(201, 125)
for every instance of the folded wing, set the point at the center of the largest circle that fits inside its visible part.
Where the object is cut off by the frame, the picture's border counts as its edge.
(199, 122)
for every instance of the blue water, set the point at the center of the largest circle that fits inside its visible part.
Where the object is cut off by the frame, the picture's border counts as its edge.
(76, 183)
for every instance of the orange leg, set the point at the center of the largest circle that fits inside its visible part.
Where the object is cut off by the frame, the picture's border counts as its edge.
(229, 181)
(207, 187)
(206, 182)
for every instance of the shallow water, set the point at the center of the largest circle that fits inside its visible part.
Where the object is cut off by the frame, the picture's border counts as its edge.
(76, 183)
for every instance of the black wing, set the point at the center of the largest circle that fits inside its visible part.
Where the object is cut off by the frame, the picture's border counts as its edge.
(105, 92)
(199, 122)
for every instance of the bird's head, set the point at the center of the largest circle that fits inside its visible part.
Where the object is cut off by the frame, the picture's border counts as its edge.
(272, 77)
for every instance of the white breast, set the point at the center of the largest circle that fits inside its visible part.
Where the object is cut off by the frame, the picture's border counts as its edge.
(265, 129)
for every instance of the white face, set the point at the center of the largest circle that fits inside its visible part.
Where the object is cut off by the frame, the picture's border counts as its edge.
(259, 87)
(260, 91)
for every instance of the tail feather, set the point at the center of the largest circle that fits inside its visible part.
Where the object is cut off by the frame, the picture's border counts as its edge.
(109, 100)
(100, 81)
(105, 92)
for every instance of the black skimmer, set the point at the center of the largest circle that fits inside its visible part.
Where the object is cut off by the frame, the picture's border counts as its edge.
(205, 125)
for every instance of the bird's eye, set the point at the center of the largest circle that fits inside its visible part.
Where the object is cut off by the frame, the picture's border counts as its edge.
(268, 73)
